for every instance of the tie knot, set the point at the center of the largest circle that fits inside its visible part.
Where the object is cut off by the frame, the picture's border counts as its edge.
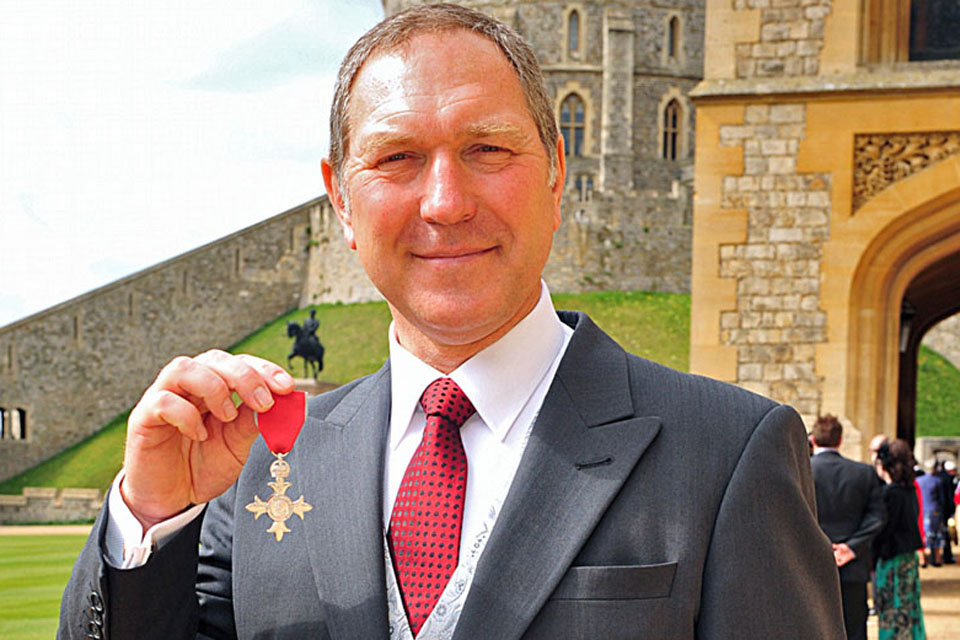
(444, 398)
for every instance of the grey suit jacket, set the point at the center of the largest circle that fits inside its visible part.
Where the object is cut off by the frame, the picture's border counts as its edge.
(849, 508)
(648, 504)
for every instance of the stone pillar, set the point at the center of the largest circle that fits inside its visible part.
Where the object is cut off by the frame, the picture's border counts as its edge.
(616, 136)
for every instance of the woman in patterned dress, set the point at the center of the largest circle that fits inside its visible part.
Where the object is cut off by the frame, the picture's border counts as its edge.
(897, 586)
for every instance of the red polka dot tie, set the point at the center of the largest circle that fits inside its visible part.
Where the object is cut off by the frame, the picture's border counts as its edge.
(425, 524)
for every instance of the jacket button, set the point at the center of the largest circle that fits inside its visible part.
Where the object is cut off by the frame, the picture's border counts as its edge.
(96, 602)
(95, 616)
(94, 631)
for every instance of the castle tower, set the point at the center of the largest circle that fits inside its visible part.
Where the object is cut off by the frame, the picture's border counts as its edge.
(619, 74)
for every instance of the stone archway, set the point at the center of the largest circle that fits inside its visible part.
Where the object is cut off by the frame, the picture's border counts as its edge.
(933, 295)
(910, 256)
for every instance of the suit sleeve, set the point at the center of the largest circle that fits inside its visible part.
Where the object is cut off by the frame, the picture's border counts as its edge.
(874, 517)
(157, 600)
(769, 571)
(178, 594)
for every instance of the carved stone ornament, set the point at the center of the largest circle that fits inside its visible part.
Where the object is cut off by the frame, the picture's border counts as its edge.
(881, 159)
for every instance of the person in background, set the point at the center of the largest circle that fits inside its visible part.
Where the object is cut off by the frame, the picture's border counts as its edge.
(947, 473)
(850, 511)
(931, 486)
(897, 585)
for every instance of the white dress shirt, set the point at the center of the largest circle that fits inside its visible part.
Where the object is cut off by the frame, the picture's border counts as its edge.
(506, 382)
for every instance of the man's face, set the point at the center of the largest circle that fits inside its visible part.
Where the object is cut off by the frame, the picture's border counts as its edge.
(450, 209)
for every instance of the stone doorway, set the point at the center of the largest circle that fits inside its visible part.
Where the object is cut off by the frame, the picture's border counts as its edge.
(905, 282)
(933, 295)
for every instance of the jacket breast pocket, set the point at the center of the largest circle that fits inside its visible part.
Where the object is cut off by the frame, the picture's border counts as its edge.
(618, 582)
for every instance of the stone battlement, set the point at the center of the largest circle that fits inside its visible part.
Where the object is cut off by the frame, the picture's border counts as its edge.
(48, 504)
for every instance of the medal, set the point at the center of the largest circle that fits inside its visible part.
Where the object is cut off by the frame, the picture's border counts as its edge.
(280, 426)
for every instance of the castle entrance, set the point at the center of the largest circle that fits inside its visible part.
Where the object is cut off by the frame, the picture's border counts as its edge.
(906, 281)
(932, 296)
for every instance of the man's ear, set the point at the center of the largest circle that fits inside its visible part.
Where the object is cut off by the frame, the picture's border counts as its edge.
(335, 194)
(558, 181)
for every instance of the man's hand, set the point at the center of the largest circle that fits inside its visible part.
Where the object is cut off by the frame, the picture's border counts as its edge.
(186, 441)
(842, 553)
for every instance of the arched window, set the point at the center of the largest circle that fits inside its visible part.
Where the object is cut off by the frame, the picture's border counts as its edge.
(584, 187)
(673, 37)
(573, 33)
(572, 123)
(671, 130)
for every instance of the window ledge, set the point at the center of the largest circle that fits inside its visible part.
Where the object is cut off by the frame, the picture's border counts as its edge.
(916, 76)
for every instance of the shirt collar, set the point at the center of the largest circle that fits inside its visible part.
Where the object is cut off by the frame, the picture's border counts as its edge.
(499, 380)
(818, 450)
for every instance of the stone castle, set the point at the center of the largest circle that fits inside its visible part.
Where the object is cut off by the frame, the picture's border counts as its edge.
(619, 73)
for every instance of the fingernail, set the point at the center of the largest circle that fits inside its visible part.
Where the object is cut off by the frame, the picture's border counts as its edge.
(283, 378)
(263, 398)
(229, 410)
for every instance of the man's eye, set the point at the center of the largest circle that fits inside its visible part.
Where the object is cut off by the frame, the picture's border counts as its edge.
(489, 148)
(394, 157)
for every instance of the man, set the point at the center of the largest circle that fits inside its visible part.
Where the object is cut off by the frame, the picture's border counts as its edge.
(932, 508)
(947, 474)
(850, 511)
(583, 513)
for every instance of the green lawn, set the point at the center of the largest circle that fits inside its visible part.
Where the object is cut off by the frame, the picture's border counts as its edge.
(938, 395)
(33, 573)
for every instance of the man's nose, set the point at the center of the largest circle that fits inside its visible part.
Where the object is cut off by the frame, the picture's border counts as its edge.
(446, 196)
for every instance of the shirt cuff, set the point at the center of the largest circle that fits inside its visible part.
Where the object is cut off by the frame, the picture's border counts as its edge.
(125, 545)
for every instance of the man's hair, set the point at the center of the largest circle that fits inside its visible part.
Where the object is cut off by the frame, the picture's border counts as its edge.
(827, 431)
(397, 30)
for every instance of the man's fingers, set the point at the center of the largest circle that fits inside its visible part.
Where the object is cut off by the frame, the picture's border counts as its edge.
(162, 407)
(189, 378)
(252, 378)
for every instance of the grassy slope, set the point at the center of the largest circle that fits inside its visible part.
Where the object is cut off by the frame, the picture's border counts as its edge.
(938, 395)
(33, 571)
(654, 325)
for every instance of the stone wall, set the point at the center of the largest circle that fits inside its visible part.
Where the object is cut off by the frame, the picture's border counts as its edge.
(778, 320)
(944, 338)
(791, 37)
(74, 367)
(50, 505)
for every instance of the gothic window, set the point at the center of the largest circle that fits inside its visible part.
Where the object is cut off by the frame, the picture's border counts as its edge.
(934, 29)
(572, 123)
(584, 187)
(671, 130)
(573, 33)
(673, 37)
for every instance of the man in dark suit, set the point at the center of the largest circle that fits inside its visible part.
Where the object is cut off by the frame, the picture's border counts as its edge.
(851, 512)
(582, 512)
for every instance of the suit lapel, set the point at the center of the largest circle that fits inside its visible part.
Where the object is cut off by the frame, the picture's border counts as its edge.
(584, 444)
(345, 531)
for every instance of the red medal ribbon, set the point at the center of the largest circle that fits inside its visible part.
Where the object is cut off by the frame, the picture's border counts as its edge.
(280, 424)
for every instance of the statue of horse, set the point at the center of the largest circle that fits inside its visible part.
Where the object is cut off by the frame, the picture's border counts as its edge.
(307, 346)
